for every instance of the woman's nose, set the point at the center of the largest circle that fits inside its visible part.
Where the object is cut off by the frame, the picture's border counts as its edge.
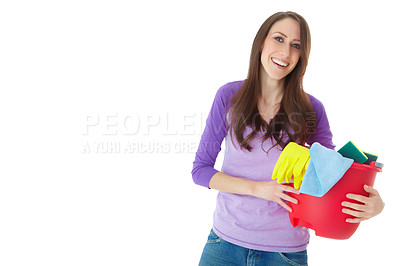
(285, 50)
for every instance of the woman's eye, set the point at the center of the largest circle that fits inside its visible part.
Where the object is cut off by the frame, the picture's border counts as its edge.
(297, 46)
(279, 39)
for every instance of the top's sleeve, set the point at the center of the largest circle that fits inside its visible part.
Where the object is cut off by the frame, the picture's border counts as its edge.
(322, 133)
(211, 139)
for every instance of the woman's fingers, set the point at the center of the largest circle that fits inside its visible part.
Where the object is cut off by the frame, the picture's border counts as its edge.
(289, 198)
(270, 190)
(367, 207)
(359, 198)
(284, 205)
(287, 188)
(358, 216)
(354, 213)
(371, 191)
(355, 206)
(355, 220)
(286, 197)
(358, 211)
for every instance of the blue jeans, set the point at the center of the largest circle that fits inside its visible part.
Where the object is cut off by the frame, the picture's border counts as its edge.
(218, 252)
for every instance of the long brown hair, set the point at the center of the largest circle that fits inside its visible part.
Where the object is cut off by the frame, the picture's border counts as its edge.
(296, 116)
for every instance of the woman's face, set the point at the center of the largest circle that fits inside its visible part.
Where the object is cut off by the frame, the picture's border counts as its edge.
(281, 48)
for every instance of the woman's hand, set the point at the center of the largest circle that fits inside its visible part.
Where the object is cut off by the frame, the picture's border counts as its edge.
(368, 207)
(270, 190)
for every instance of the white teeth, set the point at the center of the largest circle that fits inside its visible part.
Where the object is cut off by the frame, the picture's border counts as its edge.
(277, 61)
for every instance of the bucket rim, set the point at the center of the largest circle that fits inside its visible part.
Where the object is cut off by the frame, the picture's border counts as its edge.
(371, 167)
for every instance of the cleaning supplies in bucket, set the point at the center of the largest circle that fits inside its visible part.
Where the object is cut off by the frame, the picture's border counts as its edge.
(325, 169)
(293, 161)
(318, 169)
(350, 150)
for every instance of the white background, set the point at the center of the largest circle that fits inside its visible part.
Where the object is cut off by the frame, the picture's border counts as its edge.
(76, 74)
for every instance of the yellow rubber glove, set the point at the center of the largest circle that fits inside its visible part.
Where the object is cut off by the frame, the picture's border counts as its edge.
(293, 161)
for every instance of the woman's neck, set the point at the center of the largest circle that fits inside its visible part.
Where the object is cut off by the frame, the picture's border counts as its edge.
(271, 90)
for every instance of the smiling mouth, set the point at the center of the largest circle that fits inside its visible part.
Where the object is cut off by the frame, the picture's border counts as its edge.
(279, 62)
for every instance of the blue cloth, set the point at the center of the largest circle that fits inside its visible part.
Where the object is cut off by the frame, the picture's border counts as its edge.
(218, 252)
(325, 169)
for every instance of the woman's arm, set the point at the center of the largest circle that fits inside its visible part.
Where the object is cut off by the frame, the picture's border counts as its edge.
(268, 190)
(212, 137)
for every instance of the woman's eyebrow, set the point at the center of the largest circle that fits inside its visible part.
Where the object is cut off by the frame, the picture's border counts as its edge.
(284, 35)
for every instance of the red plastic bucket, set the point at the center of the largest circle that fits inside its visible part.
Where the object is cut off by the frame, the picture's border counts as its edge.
(324, 214)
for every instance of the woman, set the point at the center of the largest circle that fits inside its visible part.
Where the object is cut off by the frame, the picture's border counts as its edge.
(258, 117)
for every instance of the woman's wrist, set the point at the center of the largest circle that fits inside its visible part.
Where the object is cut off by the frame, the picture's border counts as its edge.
(254, 188)
(231, 184)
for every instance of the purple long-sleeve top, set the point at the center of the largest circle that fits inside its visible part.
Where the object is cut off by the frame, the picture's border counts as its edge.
(245, 220)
